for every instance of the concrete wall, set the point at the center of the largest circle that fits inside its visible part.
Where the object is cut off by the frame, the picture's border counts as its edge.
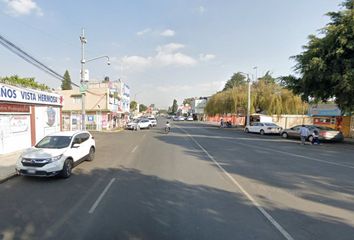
(288, 121)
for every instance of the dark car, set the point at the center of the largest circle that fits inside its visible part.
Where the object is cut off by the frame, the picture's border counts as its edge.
(325, 133)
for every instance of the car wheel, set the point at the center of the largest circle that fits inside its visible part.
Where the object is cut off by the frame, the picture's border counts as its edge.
(262, 132)
(67, 167)
(91, 154)
(310, 139)
(284, 135)
(246, 130)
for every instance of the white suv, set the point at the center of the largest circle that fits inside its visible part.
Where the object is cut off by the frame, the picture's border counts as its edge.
(139, 124)
(153, 121)
(56, 154)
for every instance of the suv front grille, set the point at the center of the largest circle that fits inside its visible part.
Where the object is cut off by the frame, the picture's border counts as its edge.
(28, 162)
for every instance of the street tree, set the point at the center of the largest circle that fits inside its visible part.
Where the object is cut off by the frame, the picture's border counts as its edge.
(133, 106)
(188, 101)
(324, 70)
(66, 83)
(142, 108)
(174, 106)
(237, 79)
(24, 82)
(267, 97)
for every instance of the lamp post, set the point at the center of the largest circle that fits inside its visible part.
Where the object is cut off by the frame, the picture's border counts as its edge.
(83, 86)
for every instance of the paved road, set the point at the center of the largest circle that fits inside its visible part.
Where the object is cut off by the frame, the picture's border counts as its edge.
(197, 182)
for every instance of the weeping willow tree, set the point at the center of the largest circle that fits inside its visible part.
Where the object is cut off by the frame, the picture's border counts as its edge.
(267, 97)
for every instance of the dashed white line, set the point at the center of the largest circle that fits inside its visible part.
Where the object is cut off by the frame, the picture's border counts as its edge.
(286, 235)
(94, 206)
(135, 148)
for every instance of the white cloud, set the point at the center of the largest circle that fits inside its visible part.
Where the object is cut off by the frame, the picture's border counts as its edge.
(22, 7)
(206, 57)
(166, 55)
(136, 61)
(169, 48)
(201, 10)
(168, 33)
(143, 32)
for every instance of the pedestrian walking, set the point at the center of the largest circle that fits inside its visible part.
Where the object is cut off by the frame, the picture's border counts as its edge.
(304, 133)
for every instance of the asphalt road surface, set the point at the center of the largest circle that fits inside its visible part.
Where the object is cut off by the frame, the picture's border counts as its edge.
(197, 182)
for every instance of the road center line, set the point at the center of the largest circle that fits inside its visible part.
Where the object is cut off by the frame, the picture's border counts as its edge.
(92, 209)
(135, 148)
(286, 235)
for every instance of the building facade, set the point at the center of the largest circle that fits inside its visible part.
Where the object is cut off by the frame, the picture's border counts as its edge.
(105, 106)
(26, 116)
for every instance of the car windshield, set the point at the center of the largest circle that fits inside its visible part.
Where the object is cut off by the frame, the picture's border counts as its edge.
(56, 142)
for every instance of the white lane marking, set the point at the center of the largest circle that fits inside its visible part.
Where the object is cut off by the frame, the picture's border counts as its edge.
(135, 148)
(258, 206)
(92, 209)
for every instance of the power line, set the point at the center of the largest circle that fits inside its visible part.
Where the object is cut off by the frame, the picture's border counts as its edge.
(28, 58)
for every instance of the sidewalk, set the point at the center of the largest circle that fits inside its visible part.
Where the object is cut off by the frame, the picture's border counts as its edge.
(7, 165)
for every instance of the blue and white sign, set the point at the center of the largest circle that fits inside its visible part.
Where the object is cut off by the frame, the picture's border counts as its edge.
(10, 93)
(327, 110)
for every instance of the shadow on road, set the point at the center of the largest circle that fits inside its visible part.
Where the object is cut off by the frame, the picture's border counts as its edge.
(139, 206)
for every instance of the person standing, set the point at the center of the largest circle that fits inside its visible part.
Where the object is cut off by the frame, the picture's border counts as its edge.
(304, 133)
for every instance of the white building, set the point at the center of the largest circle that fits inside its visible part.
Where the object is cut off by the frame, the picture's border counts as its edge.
(197, 107)
(26, 116)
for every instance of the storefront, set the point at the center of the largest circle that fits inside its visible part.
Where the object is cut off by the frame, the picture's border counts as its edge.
(26, 116)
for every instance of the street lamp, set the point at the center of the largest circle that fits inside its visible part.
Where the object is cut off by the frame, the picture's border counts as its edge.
(82, 77)
(248, 98)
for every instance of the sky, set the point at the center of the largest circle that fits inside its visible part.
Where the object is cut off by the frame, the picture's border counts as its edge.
(163, 49)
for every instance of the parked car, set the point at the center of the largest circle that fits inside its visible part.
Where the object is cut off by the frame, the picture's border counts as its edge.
(190, 118)
(139, 123)
(178, 118)
(263, 128)
(325, 133)
(153, 121)
(57, 154)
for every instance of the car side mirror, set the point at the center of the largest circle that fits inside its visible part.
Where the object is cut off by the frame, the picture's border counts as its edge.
(75, 145)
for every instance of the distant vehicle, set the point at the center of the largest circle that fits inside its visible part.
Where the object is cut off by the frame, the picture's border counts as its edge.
(190, 118)
(153, 121)
(140, 124)
(180, 118)
(325, 133)
(57, 154)
(263, 128)
(175, 118)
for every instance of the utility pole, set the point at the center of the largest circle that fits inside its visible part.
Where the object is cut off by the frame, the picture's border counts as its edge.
(248, 101)
(82, 80)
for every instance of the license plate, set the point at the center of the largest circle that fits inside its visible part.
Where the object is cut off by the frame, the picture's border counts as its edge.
(31, 171)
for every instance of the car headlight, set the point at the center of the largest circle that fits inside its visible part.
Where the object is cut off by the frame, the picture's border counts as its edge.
(53, 159)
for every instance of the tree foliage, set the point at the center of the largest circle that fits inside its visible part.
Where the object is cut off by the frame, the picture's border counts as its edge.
(188, 101)
(133, 105)
(326, 67)
(267, 97)
(174, 106)
(66, 83)
(24, 82)
(238, 79)
(142, 108)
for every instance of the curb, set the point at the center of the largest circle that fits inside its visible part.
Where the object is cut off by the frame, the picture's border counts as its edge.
(8, 177)
(108, 131)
